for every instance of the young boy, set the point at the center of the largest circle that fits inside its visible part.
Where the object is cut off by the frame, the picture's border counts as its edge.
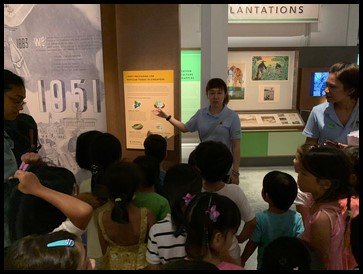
(279, 191)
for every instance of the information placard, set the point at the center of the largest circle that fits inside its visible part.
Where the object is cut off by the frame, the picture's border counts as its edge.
(143, 92)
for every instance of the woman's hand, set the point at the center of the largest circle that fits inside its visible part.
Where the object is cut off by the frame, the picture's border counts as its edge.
(159, 112)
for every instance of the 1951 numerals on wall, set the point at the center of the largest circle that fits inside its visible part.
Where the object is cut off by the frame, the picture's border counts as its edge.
(56, 100)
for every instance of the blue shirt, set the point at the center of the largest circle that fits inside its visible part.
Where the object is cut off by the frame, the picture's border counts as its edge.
(271, 226)
(323, 123)
(10, 164)
(228, 129)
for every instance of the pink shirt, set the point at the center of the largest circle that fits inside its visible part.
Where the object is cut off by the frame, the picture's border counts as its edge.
(337, 224)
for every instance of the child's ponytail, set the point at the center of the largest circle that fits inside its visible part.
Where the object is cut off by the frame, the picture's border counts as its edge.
(119, 212)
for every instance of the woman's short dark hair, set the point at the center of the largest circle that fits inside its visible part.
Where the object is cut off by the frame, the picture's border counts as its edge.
(348, 74)
(11, 79)
(220, 84)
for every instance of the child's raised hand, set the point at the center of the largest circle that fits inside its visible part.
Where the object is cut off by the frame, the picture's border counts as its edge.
(28, 182)
(30, 158)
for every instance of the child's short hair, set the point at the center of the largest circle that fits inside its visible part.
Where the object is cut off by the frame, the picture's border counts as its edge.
(290, 253)
(214, 160)
(281, 189)
(155, 145)
(122, 179)
(83, 148)
(150, 169)
(183, 264)
(331, 164)
(353, 154)
(32, 253)
(202, 222)
(180, 180)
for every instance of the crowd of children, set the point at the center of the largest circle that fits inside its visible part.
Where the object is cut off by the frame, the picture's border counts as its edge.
(192, 221)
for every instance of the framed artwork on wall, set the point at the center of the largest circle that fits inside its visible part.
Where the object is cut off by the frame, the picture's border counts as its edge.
(269, 79)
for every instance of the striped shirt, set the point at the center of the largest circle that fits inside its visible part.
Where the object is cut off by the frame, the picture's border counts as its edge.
(162, 246)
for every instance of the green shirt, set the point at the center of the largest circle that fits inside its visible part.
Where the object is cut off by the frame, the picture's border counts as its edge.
(158, 205)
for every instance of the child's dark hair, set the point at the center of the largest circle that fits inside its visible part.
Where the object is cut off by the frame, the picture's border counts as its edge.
(105, 149)
(180, 180)
(220, 84)
(83, 148)
(183, 264)
(353, 154)
(331, 164)
(281, 189)
(214, 160)
(201, 226)
(11, 79)
(32, 253)
(155, 145)
(150, 169)
(122, 179)
(290, 253)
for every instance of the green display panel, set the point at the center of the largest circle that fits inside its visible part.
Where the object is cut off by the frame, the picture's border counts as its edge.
(190, 83)
(284, 143)
(254, 144)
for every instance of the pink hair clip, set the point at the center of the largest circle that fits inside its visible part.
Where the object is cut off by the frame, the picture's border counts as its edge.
(213, 213)
(187, 198)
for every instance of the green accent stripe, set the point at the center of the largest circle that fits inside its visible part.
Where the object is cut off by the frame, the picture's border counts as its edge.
(254, 144)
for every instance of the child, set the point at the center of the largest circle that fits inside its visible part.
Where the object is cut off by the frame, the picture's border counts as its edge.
(279, 191)
(325, 174)
(211, 222)
(167, 237)
(82, 157)
(155, 145)
(214, 160)
(59, 250)
(97, 152)
(146, 196)
(78, 213)
(289, 253)
(122, 226)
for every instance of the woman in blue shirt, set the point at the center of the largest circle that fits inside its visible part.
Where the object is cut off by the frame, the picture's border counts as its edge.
(336, 118)
(216, 122)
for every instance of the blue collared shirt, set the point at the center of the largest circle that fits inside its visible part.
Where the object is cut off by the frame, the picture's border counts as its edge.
(323, 123)
(10, 164)
(227, 130)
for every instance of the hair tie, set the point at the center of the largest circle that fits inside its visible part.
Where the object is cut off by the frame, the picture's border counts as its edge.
(95, 169)
(118, 200)
(213, 213)
(187, 198)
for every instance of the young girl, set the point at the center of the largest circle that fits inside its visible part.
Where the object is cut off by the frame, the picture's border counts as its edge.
(167, 237)
(59, 250)
(211, 222)
(325, 173)
(123, 227)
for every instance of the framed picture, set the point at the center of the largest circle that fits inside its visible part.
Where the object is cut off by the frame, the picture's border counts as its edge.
(270, 68)
(236, 81)
(269, 93)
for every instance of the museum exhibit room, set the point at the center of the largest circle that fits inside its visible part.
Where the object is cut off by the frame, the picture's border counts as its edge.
(181, 136)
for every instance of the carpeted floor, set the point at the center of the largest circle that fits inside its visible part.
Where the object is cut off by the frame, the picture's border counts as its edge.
(251, 184)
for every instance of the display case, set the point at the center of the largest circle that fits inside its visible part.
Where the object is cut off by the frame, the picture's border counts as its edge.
(266, 120)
